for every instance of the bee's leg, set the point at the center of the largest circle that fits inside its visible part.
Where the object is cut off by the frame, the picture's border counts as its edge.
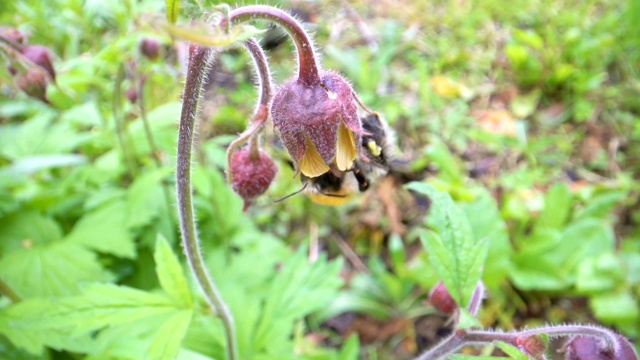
(363, 182)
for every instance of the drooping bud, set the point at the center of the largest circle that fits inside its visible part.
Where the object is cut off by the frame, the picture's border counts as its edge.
(41, 56)
(12, 34)
(592, 348)
(251, 175)
(533, 346)
(131, 94)
(318, 123)
(441, 299)
(150, 48)
(34, 83)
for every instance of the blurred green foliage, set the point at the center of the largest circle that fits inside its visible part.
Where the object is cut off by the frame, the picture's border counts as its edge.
(527, 115)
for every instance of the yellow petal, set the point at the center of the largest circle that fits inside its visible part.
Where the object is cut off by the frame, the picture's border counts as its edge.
(345, 148)
(312, 164)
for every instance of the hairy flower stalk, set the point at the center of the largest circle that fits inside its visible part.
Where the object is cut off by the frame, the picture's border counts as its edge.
(608, 344)
(199, 59)
(261, 113)
(316, 111)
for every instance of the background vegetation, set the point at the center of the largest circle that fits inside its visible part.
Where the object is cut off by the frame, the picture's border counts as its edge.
(528, 114)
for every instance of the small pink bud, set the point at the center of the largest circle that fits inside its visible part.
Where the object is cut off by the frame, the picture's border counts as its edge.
(131, 94)
(40, 56)
(251, 175)
(12, 34)
(318, 123)
(441, 299)
(150, 48)
(34, 83)
(533, 345)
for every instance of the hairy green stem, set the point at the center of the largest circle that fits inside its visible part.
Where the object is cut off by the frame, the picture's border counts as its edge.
(308, 69)
(120, 127)
(199, 58)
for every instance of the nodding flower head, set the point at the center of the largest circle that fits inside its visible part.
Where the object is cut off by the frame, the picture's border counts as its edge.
(318, 123)
(251, 174)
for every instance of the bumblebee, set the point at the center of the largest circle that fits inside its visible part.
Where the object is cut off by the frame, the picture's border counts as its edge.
(336, 189)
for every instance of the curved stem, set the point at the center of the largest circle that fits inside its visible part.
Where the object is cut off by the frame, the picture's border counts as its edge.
(198, 64)
(308, 69)
(264, 97)
(476, 298)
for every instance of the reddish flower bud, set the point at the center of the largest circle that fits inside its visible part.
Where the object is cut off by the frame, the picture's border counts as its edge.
(150, 48)
(34, 83)
(131, 94)
(533, 345)
(251, 175)
(12, 34)
(441, 299)
(591, 348)
(318, 123)
(40, 56)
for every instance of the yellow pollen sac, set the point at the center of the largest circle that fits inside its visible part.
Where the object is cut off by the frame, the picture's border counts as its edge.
(374, 148)
(345, 148)
(312, 165)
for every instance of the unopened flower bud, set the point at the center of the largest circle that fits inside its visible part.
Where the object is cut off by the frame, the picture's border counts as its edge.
(150, 48)
(533, 345)
(12, 34)
(34, 83)
(131, 94)
(318, 123)
(441, 299)
(40, 56)
(251, 175)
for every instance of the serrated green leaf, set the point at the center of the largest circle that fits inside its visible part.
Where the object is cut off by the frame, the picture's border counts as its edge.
(289, 296)
(145, 199)
(55, 269)
(166, 342)
(454, 252)
(173, 10)
(485, 220)
(104, 230)
(34, 340)
(511, 350)
(26, 229)
(170, 274)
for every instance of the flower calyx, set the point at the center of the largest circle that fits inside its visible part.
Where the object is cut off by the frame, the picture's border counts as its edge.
(318, 123)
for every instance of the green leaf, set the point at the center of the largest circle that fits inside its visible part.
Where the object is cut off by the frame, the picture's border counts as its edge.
(557, 207)
(26, 229)
(616, 307)
(203, 34)
(173, 10)
(145, 322)
(170, 273)
(104, 230)
(166, 342)
(453, 250)
(350, 349)
(511, 350)
(145, 198)
(290, 293)
(54, 269)
(601, 206)
(485, 220)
